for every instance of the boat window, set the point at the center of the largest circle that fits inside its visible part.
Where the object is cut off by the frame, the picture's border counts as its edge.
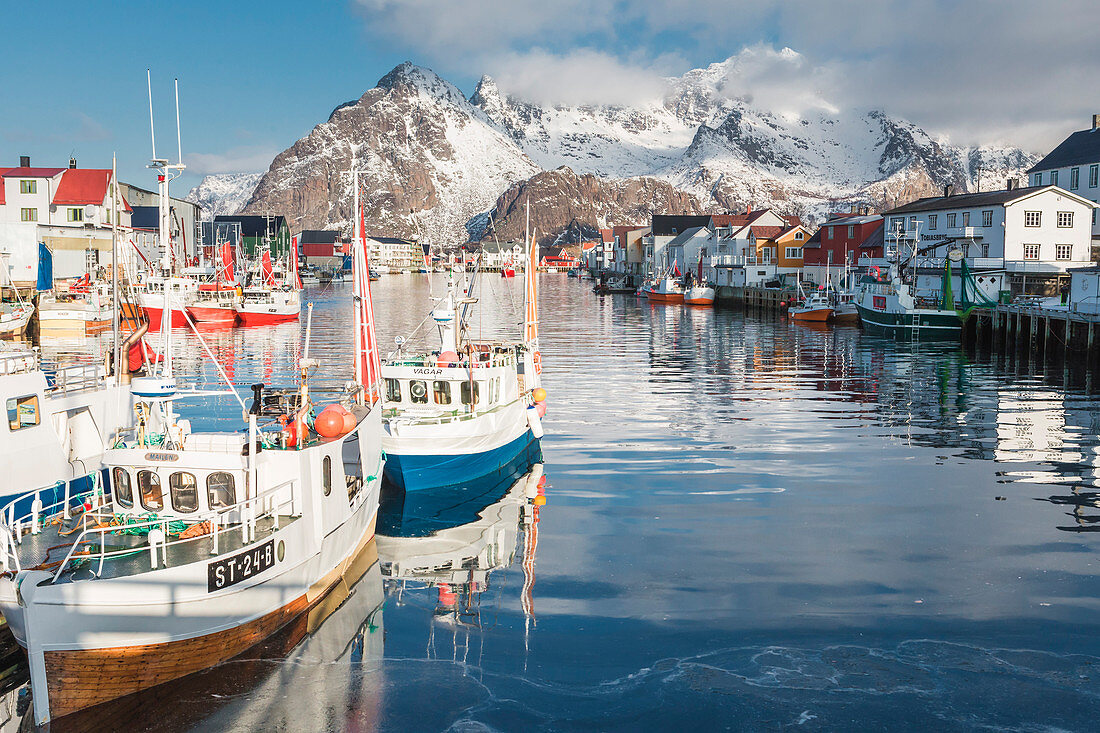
(152, 498)
(466, 393)
(23, 412)
(220, 491)
(184, 490)
(492, 391)
(393, 390)
(418, 391)
(326, 475)
(123, 494)
(442, 392)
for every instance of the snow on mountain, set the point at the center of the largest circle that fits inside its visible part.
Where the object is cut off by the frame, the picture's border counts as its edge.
(436, 163)
(420, 146)
(225, 193)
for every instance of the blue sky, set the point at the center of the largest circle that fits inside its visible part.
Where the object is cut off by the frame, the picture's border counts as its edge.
(254, 77)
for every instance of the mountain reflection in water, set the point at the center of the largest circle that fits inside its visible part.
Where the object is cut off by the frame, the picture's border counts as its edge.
(753, 524)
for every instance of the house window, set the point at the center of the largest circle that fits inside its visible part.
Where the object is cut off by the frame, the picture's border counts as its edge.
(851, 231)
(184, 491)
(152, 498)
(220, 491)
(1054, 178)
(951, 220)
(912, 222)
(28, 215)
(1031, 251)
(966, 218)
(1065, 219)
(1074, 178)
(28, 187)
(76, 215)
(1063, 251)
(123, 495)
(1033, 218)
(794, 253)
(987, 218)
(766, 255)
(1094, 173)
(23, 412)
(798, 236)
(932, 220)
(830, 230)
(326, 475)
(1037, 179)
(897, 224)
(985, 250)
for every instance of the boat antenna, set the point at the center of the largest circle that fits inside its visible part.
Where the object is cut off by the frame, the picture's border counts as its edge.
(179, 145)
(152, 132)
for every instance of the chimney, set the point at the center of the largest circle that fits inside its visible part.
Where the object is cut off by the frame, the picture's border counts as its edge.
(1095, 122)
(948, 190)
(72, 163)
(1013, 184)
(24, 161)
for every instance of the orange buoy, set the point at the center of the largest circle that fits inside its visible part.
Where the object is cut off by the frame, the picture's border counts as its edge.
(291, 433)
(349, 419)
(539, 395)
(542, 481)
(540, 500)
(447, 358)
(330, 423)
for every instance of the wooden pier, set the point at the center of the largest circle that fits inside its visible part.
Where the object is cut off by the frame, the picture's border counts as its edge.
(1037, 332)
(758, 299)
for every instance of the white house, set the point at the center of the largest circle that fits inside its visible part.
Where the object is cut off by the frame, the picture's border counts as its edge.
(67, 209)
(1075, 166)
(495, 255)
(1034, 234)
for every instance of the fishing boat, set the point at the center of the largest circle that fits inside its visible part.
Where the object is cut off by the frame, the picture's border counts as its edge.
(471, 410)
(664, 289)
(216, 301)
(14, 316)
(271, 301)
(699, 295)
(813, 307)
(615, 285)
(85, 307)
(204, 543)
(844, 307)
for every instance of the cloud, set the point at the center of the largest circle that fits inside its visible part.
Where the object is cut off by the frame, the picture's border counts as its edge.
(76, 127)
(1014, 71)
(249, 159)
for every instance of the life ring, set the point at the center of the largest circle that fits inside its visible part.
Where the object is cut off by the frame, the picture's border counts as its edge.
(874, 270)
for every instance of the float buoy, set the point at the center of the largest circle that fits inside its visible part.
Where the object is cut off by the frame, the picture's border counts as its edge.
(447, 358)
(330, 423)
(539, 394)
(540, 500)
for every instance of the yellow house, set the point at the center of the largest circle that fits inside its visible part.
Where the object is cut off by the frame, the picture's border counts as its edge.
(780, 245)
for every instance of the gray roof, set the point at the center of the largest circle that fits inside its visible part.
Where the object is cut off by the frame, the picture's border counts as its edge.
(965, 200)
(684, 236)
(1080, 147)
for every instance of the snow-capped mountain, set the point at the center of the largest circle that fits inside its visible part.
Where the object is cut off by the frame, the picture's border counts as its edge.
(224, 193)
(440, 164)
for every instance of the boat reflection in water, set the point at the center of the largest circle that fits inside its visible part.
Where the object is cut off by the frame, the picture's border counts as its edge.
(322, 670)
(456, 561)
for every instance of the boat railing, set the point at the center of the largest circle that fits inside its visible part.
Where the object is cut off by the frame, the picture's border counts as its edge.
(19, 362)
(78, 378)
(243, 517)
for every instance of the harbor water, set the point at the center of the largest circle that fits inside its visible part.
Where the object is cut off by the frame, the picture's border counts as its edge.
(749, 524)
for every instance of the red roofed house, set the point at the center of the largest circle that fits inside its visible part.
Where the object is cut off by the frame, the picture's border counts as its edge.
(843, 238)
(67, 209)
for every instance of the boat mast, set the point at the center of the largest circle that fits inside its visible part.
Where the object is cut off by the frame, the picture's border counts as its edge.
(116, 347)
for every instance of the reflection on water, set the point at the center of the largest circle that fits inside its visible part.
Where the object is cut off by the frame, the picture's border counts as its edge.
(756, 524)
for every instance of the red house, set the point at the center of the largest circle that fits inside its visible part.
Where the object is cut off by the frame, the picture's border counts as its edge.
(845, 237)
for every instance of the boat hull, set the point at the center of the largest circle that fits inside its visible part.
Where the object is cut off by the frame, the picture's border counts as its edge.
(920, 324)
(818, 315)
(155, 315)
(413, 473)
(663, 297)
(203, 314)
(265, 316)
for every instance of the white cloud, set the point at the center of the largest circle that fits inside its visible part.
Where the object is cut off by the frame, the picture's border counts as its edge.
(250, 159)
(1013, 71)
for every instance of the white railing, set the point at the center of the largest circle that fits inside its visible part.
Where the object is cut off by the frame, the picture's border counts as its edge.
(248, 513)
(78, 378)
(736, 261)
(19, 362)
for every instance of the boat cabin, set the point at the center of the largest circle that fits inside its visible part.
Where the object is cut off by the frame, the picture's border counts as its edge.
(424, 385)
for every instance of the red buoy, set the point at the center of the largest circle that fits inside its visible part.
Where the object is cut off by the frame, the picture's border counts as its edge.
(330, 423)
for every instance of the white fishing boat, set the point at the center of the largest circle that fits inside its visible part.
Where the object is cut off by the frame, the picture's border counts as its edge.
(471, 410)
(15, 316)
(273, 300)
(85, 308)
(204, 543)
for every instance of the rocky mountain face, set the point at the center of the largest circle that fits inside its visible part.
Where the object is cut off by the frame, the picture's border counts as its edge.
(451, 168)
(567, 207)
(224, 193)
